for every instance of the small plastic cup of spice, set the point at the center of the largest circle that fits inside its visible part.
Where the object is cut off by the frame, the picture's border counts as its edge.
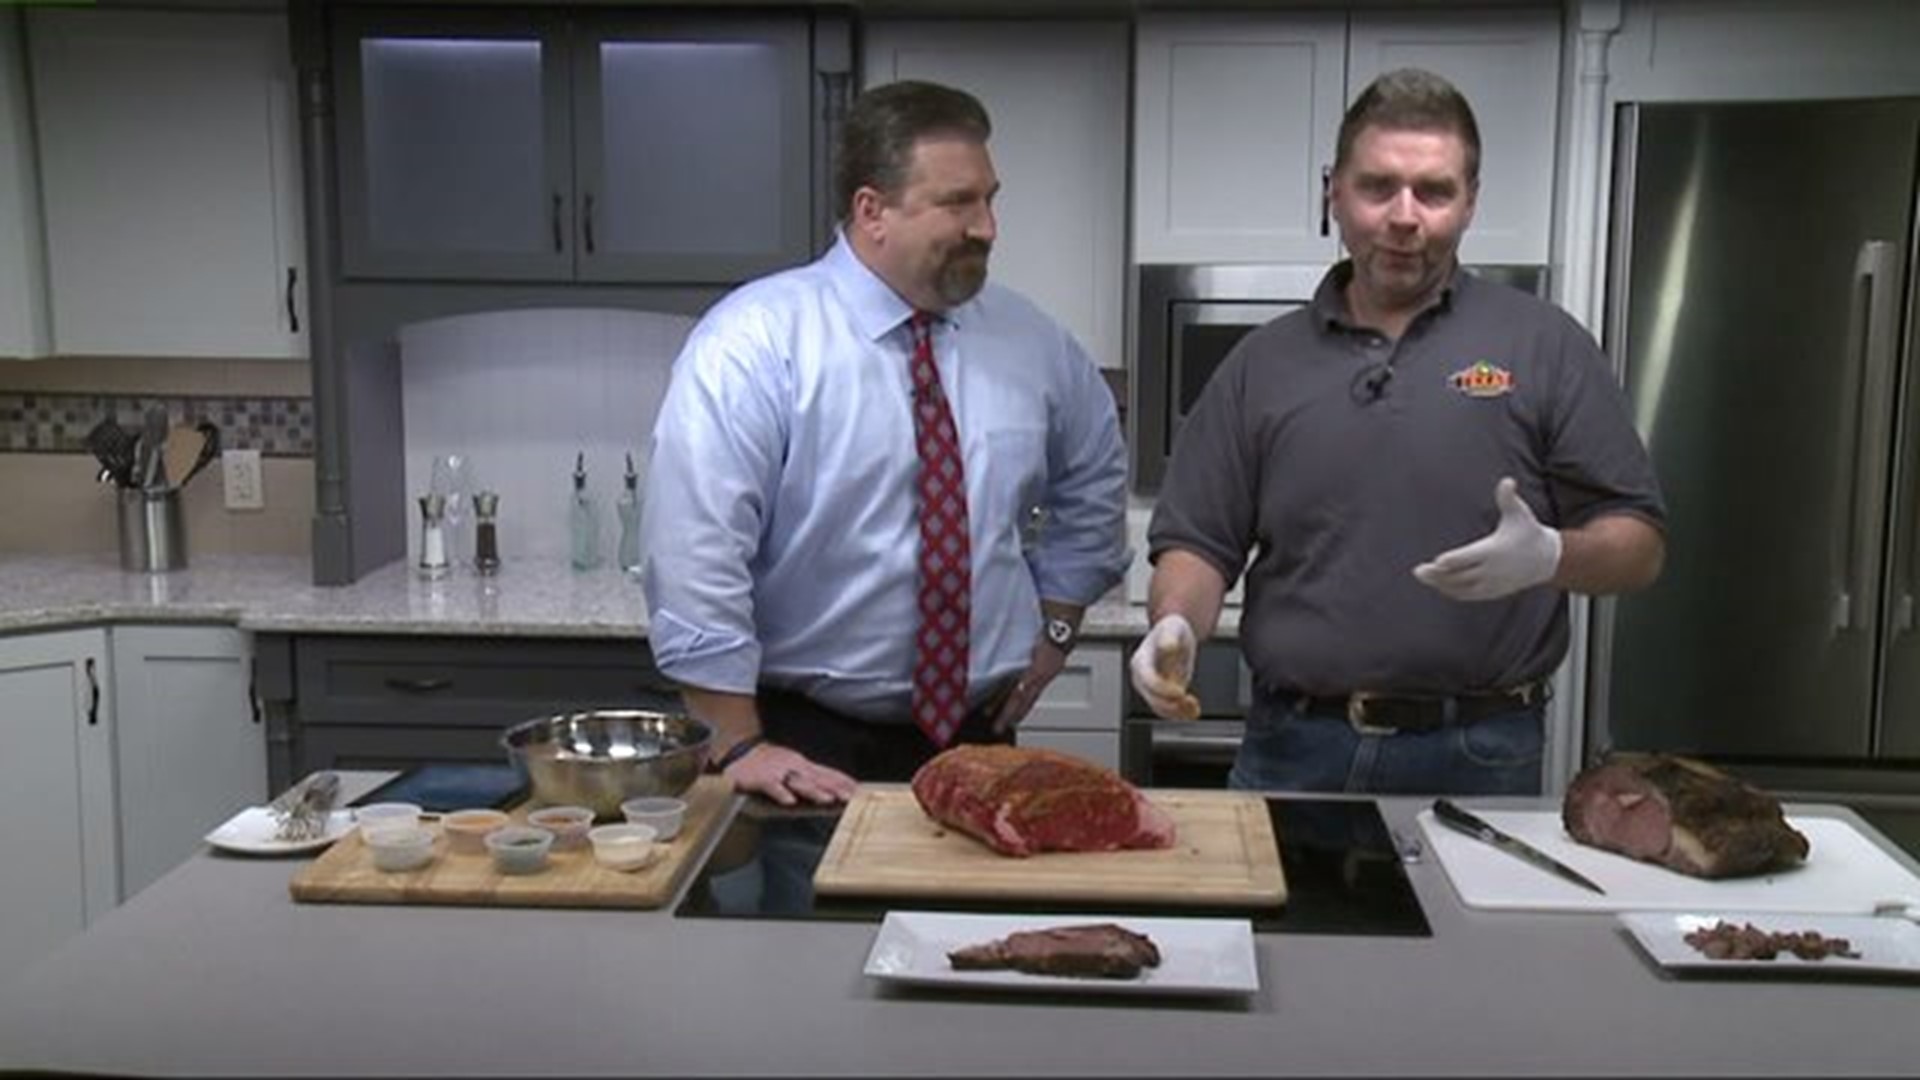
(519, 849)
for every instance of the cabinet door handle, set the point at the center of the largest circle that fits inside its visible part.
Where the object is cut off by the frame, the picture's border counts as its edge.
(559, 240)
(93, 695)
(1326, 197)
(420, 686)
(253, 700)
(293, 316)
(586, 216)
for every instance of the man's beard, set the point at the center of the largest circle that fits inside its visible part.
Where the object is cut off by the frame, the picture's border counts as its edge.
(963, 274)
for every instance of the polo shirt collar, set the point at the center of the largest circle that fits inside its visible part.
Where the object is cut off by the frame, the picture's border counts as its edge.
(1329, 303)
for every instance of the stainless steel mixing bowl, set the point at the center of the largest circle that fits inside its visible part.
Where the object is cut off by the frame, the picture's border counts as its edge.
(603, 757)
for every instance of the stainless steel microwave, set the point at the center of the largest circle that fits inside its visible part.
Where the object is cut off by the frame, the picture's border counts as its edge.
(1191, 316)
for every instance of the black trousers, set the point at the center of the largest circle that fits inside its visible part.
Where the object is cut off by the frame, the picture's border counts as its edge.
(862, 749)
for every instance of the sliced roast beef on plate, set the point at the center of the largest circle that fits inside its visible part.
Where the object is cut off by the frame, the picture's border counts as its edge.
(1093, 951)
(1682, 814)
(1021, 801)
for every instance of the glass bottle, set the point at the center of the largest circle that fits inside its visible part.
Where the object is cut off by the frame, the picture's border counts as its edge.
(433, 536)
(486, 540)
(628, 508)
(452, 480)
(583, 521)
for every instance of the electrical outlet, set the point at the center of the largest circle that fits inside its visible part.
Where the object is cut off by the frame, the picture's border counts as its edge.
(240, 476)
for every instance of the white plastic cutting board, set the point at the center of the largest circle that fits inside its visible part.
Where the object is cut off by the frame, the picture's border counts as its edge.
(1845, 872)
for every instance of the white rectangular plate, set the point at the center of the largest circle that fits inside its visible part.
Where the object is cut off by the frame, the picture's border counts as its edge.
(1197, 956)
(1846, 873)
(255, 831)
(1887, 946)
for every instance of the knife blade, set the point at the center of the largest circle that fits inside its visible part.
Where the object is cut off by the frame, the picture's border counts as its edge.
(1445, 812)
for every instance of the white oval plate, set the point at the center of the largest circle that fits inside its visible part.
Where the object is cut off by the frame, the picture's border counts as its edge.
(1888, 946)
(1198, 956)
(254, 831)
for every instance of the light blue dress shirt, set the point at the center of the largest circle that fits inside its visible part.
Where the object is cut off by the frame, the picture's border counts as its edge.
(780, 533)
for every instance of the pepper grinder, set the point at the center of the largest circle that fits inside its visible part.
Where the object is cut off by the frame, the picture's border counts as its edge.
(486, 542)
(583, 521)
(628, 507)
(433, 537)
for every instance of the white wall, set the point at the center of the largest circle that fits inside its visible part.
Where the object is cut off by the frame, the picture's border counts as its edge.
(519, 393)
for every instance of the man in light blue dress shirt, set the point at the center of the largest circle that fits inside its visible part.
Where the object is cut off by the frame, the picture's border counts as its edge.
(780, 528)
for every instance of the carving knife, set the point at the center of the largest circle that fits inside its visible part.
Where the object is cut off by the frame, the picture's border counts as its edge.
(1453, 817)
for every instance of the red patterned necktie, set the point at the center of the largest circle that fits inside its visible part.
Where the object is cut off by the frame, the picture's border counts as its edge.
(946, 576)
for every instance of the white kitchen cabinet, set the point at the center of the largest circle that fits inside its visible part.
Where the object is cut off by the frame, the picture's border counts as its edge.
(170, 183)
(1056, 93)
(56, 791)
(23, 298)
(1507, 63)
(1234, 124)
(1079, 711)
(190, 748)
(1237, 116)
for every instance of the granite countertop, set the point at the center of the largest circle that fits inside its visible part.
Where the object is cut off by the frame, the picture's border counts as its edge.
(529, 598)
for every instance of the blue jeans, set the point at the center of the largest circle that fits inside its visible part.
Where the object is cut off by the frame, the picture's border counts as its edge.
(1288, 749)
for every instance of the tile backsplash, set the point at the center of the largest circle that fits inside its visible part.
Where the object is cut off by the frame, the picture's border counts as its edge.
(518, 394)
(58, 422)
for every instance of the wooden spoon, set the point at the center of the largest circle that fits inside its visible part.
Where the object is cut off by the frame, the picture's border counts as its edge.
(182, 450)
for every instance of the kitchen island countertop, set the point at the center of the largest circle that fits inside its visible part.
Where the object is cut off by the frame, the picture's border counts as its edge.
(214, 970)
(529, 598)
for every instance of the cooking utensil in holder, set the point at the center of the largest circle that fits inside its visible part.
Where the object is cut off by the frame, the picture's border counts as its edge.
(153, 530)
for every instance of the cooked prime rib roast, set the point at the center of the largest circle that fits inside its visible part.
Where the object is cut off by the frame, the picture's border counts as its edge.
(1096, 951)
(1020, 801)
(1683, 814)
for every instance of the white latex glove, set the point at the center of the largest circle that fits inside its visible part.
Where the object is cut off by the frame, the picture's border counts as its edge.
(1163, 665)
(1518, 554)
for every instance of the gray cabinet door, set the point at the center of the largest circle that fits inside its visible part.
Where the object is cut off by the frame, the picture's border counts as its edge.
(455, 146)
(692, 147)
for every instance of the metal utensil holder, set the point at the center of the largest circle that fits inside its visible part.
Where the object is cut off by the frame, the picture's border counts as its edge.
(153, 530)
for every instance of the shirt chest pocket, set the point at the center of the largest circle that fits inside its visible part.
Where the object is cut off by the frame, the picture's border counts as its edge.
(1012, 492)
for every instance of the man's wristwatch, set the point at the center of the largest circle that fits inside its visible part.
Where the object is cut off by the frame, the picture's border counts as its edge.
(1061, 634)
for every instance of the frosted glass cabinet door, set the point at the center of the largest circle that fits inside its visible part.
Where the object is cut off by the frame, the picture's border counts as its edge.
(692, 148)
(454, 150)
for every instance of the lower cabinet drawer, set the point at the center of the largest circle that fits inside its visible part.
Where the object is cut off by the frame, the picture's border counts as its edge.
(1099, 747)
(467, 682)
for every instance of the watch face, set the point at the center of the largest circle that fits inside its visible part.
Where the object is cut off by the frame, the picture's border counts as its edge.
(1059, 631)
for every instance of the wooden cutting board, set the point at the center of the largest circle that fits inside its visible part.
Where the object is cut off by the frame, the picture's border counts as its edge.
(1846, 872)
(346, 874)
(1224, 855)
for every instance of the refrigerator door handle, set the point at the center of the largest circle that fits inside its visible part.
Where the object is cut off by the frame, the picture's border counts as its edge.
(1872, 334)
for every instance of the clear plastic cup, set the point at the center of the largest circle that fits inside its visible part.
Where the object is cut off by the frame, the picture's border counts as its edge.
(624, 847)
(467, 829)
(664, 814)
(374, 817)
(399, 848)
(568, 824)
(519, 849)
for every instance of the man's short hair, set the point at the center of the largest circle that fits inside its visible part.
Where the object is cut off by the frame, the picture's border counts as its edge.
(876, 142)
(1411, 99)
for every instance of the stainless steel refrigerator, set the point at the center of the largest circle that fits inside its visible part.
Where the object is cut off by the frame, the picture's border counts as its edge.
(1761, 305)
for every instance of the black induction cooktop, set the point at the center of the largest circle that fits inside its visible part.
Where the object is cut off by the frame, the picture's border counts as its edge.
(1343, 875)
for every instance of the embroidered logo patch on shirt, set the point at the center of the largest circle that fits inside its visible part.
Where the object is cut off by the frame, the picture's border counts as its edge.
(1482, 379)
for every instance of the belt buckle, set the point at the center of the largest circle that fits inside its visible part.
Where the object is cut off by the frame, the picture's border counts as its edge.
(1357, 715)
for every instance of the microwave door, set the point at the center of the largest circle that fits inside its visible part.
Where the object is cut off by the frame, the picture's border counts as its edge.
(1202, 334)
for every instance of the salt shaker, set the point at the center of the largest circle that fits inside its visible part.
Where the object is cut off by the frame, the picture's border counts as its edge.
(433, 536)
(486, 542)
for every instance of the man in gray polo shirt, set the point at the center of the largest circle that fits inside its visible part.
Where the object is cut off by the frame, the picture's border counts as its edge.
(1422, 465)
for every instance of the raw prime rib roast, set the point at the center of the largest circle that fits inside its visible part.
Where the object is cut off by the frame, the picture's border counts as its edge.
(1682, 814)
(1097, 951)
(1020, 801)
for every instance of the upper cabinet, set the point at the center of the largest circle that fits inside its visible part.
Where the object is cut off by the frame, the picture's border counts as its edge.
(606, 146)
(1057, 97)
(23, 298)
(169, 182)
(1234, 122)
(1507, 63)
(1236, 117)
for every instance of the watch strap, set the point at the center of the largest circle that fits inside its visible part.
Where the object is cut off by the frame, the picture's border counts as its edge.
(736, 752)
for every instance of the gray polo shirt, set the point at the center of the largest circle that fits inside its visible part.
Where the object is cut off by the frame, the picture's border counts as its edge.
(1341, 460)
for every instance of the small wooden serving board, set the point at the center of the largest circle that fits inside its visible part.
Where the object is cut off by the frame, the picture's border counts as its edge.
(346, 874)
(1224, 855)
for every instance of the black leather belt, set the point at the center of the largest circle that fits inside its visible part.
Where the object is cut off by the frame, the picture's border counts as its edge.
(1388, 714)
